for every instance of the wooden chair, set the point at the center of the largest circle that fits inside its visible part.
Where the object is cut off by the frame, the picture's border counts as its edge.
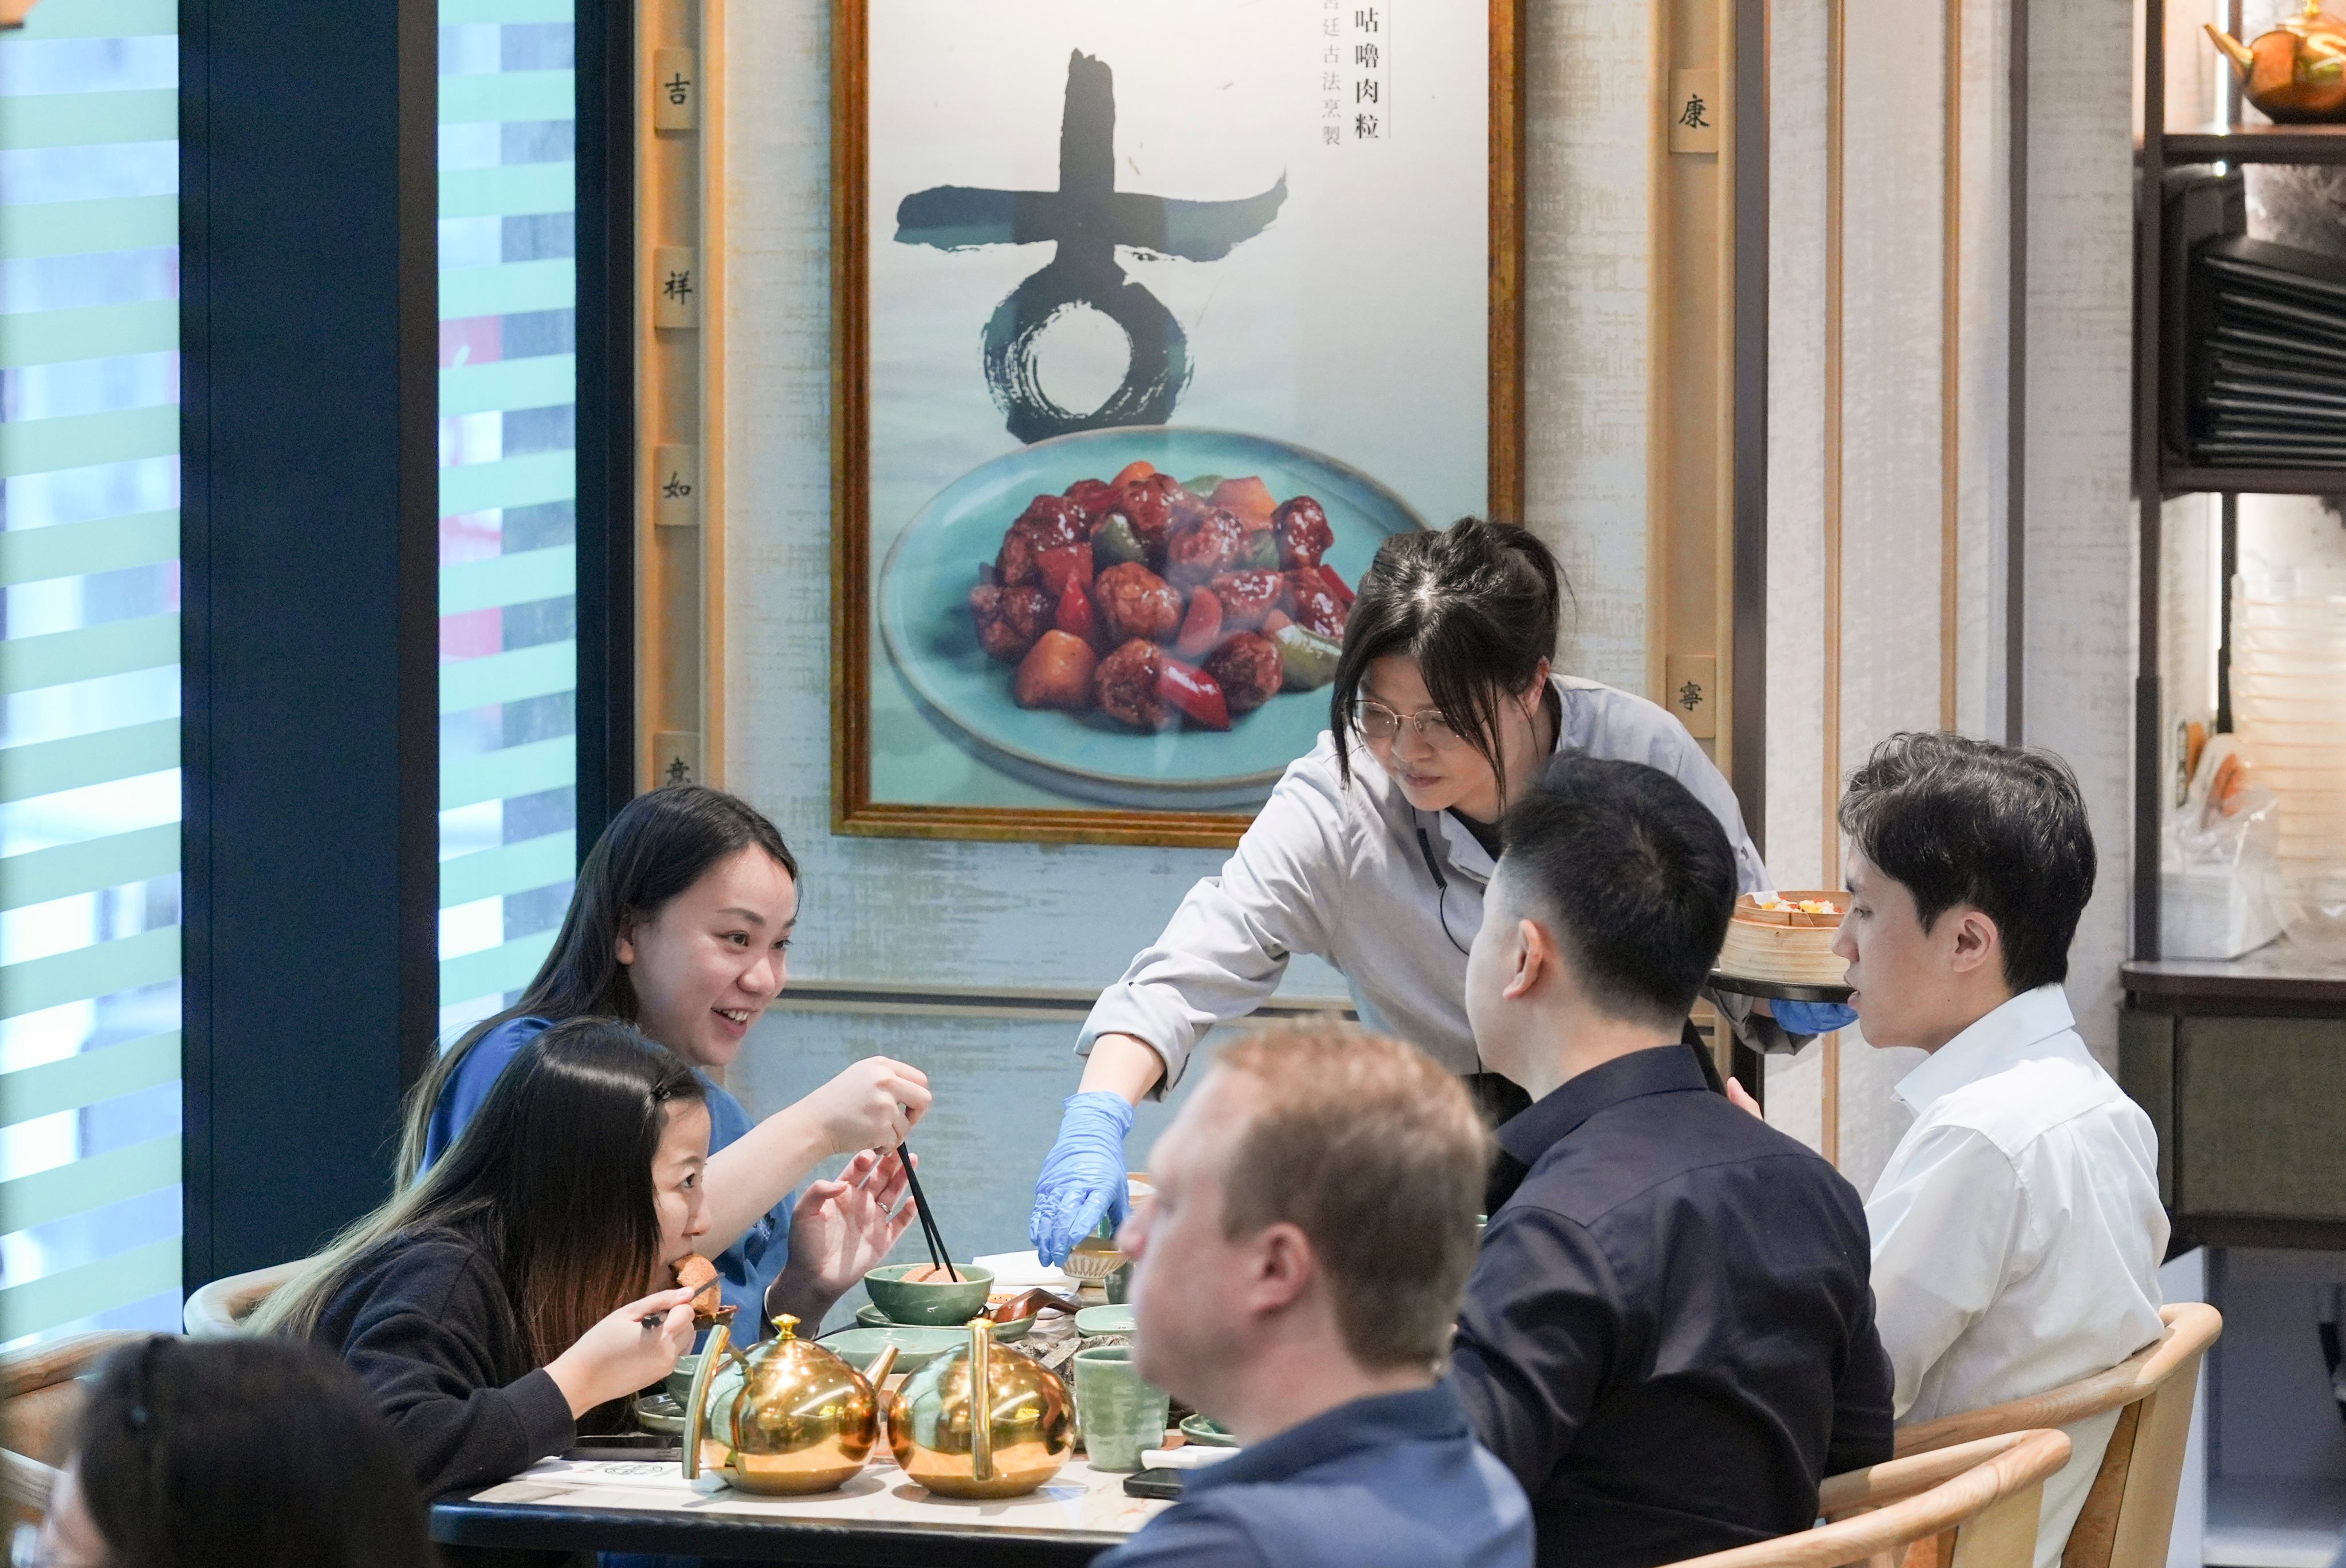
(40, 1401)
(2130, 1512)
(1984, 1495)
(217, 1310)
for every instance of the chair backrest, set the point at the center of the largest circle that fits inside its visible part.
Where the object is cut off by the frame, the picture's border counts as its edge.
(40, 1403)
(217, 1310)
(1985, 1495)
(2129, 1510)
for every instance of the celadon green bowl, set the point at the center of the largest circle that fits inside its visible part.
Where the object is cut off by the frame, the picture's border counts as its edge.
(929, 1303)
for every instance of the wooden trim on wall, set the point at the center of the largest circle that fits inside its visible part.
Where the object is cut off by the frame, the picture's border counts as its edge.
(1836, 163)
(679, 382)
(1505, 485)
(1950, 365)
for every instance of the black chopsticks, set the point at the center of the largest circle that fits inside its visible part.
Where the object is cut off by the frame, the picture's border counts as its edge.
(929, 1232)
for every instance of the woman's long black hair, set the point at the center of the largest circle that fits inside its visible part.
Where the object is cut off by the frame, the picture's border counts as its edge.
(1476, 605)
(659, 845)
(244, 1453)
(552, 1178)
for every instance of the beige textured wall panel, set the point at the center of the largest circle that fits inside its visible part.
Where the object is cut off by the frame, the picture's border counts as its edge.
(1584, 306)
(1982, 404)
(2079, 667)
(1796, 436)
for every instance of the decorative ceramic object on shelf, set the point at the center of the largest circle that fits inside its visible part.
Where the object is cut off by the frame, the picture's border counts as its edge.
(785, 1419)
(2296, 73)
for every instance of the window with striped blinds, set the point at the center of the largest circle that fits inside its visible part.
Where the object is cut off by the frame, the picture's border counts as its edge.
(89, 671)
(508, 380)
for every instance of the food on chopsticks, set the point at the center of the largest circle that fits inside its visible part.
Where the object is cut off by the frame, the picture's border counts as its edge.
(697, 1275)
(1161, 603)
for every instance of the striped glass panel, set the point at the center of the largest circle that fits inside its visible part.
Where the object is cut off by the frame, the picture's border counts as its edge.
(90, 677)
(508, 484)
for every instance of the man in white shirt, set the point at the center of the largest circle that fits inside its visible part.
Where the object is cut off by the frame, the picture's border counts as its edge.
(2017, 1230)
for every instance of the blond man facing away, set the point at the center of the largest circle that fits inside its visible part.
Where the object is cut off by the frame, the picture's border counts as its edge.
(2017, 1230)
(1298, 1272)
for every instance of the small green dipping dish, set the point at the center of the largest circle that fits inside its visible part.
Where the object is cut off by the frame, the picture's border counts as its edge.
(915, 1347)
(930, 1303)
(1115, 1318)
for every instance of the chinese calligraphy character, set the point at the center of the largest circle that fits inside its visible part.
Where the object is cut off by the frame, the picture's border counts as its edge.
(1690, 696)
(1365, 21)
(678, 773)
(679, 286)
(1364, 91)
(1087, 219)
(1365, 55)
(1329, 56)
(1331, 109)
(1329, 82)
(676, 489)
(677, 88)
(1364, 127)
(1693, 118)
(1328, 28)
(1332, 136)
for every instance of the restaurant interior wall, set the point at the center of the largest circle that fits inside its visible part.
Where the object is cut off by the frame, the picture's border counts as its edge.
(907, 918)
(1860, 143)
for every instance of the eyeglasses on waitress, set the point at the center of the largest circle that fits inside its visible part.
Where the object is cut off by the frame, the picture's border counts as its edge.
(1376, 722)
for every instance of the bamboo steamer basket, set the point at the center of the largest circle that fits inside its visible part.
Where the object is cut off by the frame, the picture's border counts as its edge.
(1789, 947)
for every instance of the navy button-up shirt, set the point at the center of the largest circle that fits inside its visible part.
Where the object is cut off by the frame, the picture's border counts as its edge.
(1668, 1334)
(1395, 1480)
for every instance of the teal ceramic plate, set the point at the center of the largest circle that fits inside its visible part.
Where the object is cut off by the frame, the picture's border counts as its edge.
(659, 1413)
(924, 612)
(916, 1348)
(1116, 1320)
(871, 1316)
(1206, 1434)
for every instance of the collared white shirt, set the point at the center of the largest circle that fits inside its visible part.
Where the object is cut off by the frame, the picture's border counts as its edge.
(1339, 872)
(2017, 1231)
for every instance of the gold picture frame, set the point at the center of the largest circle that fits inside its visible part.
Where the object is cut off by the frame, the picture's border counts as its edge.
(854, 810)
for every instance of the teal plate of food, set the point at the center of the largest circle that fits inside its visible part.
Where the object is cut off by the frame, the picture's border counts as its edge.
(871, 1316)
(1205, 1433)
(1213, 573)
(915, 1347)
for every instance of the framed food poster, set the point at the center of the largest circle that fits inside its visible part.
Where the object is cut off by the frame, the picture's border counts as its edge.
(1153, 322)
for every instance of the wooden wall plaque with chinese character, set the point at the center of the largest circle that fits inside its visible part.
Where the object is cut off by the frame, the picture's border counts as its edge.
(1120, 293)
(679, 291)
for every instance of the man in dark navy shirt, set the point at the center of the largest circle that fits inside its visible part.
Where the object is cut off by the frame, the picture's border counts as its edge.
(1297, 1274)
(1669, 1334)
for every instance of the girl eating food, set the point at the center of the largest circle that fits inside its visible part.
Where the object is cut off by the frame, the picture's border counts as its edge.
(526, 1280)
(680, 924)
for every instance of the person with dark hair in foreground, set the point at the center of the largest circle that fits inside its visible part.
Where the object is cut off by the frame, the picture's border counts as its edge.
(1668, 1335)
(2017, 1230)
(1295, 1272)
(231, 1453)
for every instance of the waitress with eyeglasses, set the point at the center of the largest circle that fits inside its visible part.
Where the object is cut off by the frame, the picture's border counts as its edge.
(1375, 849)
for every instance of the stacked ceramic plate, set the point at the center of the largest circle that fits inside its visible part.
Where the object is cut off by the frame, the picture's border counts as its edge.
(2289, 672)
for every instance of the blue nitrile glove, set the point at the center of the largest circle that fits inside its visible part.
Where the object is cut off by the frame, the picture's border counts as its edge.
(1082, 1176)
(1813, 1017)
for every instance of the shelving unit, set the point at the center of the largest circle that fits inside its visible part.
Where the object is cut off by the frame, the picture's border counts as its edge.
(2240, 1063)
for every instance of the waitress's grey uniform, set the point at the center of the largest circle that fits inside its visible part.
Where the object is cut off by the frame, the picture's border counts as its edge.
(1339, 872)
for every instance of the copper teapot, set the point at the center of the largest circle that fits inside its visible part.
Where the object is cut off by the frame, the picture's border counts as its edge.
(983, 1421)
(2296, 73)
(786, 1419)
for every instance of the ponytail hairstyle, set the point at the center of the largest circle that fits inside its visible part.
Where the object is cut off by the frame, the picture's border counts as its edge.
(659, 845)
(552, 1178)
(1476, 605)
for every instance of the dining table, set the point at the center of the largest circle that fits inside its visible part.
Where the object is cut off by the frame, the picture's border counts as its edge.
(878, 1520)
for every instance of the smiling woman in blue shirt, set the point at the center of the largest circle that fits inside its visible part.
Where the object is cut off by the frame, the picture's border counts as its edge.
(1374, 850)
(680, 924)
